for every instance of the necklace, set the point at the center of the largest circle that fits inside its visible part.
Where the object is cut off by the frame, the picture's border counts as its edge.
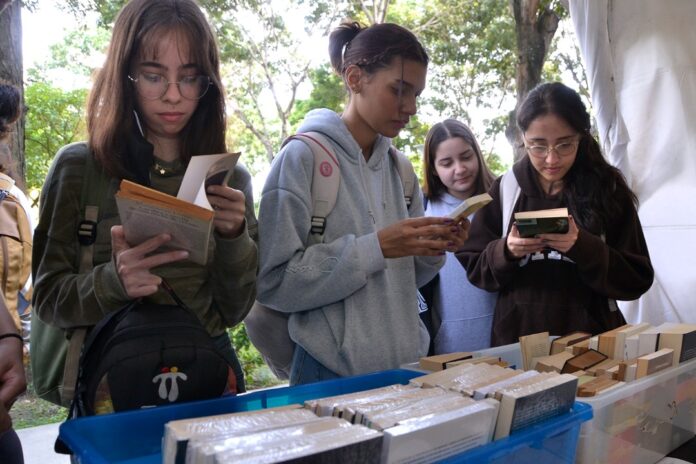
(166, 168)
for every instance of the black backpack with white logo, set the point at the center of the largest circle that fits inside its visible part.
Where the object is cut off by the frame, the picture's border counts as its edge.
(146, 355)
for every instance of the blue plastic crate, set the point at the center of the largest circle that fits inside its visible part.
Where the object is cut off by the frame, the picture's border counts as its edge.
(135, 437)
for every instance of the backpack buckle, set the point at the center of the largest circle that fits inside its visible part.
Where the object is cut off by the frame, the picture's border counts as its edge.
(318, 225)
(87, 232)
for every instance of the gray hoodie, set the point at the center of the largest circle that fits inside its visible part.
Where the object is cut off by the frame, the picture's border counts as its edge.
(351, 309)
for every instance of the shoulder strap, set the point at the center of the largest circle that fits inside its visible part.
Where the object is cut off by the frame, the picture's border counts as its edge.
(406, 173)
(325, 181)
(91, 195)
(94, 185)
(327, 177)
(509, 193)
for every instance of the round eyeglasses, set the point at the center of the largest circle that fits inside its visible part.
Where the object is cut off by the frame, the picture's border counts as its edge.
(561, 149)
(153, 86)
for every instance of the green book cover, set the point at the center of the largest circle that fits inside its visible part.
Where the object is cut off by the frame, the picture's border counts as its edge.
(548, 221)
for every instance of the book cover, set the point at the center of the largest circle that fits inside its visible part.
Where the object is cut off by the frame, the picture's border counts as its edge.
(583, 361)
(597, 386)
(607, 340)
(654, 362)
(682, 340)
(534, 346)
(469, 206)
(178, 433)
(188, 217)
(540, 402)
(552, 362)
(623, 334)
(546, 221)
(341, 445)
(559, 344)
(202, 449)
(435, 437)
(439, 362)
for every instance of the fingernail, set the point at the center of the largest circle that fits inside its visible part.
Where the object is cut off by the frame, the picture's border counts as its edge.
(449, 220)
(450, 244)
(442, 253)
(454, 229)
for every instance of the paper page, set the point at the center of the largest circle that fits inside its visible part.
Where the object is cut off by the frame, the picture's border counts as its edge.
(201, 168)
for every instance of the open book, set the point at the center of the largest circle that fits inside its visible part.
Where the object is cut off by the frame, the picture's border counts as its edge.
(469, 206)
(188, 217)
(545, 221)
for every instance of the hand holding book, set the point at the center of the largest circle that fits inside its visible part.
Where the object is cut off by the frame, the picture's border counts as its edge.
(229, 206)
(189, 217)
(133, 264)
(534, 231)
(562, 241)
(422, 236)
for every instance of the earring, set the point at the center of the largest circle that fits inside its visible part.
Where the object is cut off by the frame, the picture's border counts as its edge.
(355, 90)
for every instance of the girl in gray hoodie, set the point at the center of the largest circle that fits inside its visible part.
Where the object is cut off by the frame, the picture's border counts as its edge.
(352, 298)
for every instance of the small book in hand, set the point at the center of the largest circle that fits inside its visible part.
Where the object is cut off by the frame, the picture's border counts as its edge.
(188, 217)
(545, 221)
(469, 206)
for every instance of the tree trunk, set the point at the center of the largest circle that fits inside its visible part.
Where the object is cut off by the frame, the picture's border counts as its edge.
(11, 72)
(535, 29)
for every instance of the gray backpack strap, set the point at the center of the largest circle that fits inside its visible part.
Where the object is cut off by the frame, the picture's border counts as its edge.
(325, 180)
(406, 173)
(95, 181)
(509, 193)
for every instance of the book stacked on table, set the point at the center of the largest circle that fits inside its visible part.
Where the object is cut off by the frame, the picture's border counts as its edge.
(606, 361)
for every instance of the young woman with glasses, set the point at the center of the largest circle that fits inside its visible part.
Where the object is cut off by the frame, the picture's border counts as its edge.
(157, 101)
(560, 282)
(352, 298)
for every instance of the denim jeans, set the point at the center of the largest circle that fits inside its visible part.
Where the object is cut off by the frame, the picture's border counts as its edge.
(306, 369)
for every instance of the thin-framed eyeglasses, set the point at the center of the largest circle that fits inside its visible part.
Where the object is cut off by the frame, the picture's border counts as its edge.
(566, 148)
(152, 86)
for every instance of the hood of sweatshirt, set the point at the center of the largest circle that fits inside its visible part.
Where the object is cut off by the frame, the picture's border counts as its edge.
(330, 124)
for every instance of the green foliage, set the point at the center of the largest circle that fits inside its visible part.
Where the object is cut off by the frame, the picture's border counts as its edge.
(74, 53)
(327, 92)
(256, 373)
(55, 118)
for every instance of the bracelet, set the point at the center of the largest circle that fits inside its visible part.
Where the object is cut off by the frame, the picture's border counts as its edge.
(12, 335)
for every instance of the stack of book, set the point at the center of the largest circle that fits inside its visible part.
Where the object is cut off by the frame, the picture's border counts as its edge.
(435, 416)
(608, 360)
(269, 435)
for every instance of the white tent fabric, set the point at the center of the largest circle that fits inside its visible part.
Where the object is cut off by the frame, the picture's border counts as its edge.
(640, 57)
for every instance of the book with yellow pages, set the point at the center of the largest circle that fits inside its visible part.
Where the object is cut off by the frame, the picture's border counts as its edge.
(188, 217)
(469, 206)
(545, 221)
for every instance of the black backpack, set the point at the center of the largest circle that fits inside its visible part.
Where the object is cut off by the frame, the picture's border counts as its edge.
(146, 355)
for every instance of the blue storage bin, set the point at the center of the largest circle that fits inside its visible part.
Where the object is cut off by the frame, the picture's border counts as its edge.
(135, 437)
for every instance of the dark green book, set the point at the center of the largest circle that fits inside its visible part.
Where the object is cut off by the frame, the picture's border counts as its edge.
(545, 221)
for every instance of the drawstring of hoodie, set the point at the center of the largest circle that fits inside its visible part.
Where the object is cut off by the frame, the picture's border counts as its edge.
(362, 164)
(368, 192)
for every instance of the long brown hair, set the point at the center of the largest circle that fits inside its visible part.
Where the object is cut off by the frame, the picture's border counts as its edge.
(137, 31)
(594, 190)
(440, 132)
